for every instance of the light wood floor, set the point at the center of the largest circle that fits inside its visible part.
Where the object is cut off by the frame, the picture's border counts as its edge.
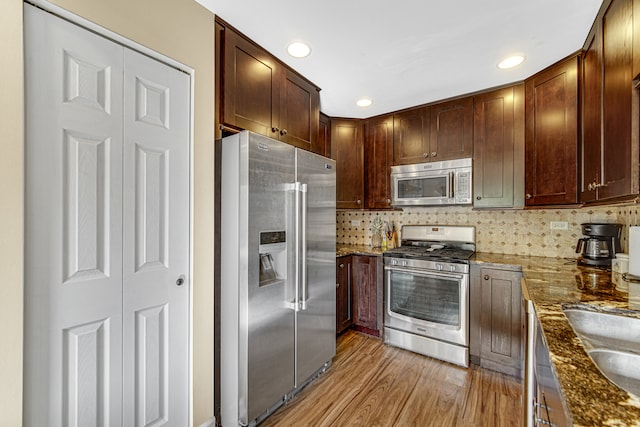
(372, 384)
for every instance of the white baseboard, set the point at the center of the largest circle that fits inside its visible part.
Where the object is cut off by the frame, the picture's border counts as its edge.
(211, 422)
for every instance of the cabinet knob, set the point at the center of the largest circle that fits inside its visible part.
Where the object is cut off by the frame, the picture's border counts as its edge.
(341, 265)
(358, 201)
(425, 155)
(433, 154)
(275, 130)
(180, 281)
(283, 132)
(478, 198)
(337, 285)
(528, 196)
(388, 200)
(486, 277)
(590, 187)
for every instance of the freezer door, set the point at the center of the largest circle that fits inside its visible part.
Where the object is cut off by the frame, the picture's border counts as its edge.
(316, 318)
(269, 316)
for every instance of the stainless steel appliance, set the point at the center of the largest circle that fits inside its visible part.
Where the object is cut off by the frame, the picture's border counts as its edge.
(277, 273)
(434, 183)
(427, 291)
(600, 245)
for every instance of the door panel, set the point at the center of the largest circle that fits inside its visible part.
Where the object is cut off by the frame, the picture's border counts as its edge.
(73, 225)
(156, 243)
(316, 325)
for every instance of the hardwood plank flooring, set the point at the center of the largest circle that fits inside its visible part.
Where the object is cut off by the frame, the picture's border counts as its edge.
(372, 384)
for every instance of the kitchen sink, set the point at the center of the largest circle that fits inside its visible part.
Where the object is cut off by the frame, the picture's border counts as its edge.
(613, 343)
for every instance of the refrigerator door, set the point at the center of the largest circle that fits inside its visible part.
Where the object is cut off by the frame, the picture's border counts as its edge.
(316, 318)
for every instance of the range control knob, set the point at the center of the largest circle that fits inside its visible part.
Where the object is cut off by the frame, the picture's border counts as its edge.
(452, 268)
(440, 267)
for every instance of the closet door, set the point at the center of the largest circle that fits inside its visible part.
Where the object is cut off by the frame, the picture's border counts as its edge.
(73, 225)
(156, 243)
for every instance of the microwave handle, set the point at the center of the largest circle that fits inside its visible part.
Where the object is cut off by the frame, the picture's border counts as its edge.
(451, 183)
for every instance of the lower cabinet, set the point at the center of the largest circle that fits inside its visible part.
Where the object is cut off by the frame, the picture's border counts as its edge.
(344, 294)
(496, 321)
(359, 293)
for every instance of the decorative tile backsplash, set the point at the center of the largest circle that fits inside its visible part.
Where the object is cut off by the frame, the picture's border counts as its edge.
(517, 232)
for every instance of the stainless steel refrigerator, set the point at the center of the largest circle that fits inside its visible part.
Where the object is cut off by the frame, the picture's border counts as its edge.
(277, 273)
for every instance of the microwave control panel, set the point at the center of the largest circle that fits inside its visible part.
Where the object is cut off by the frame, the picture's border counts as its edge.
(463, 181)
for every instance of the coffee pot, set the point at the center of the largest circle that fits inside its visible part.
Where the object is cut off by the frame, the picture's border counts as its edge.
(600, 244)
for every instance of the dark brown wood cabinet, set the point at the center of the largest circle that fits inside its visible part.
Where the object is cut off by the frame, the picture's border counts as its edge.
(323, 142)
(411, 136)
(365, 278)
(261, 94)
(551, 134)
(347, 149)
(344, 294)
(452, 129)
(378, 154)
(498, 148)
(501, 321)
(609, 154)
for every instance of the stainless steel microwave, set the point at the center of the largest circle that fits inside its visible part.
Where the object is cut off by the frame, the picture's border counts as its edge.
(432, 184)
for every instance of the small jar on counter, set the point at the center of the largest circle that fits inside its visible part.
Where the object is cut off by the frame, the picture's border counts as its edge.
(620, 266)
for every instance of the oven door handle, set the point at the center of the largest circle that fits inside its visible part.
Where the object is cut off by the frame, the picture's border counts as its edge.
(425, 273)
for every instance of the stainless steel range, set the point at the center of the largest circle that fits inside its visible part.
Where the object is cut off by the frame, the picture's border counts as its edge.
(427, 291)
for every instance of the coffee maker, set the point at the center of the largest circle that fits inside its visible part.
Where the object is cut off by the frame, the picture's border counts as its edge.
(600, 244)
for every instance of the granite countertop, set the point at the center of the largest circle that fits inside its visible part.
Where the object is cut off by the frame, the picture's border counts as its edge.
(344, 250)
(553, 283)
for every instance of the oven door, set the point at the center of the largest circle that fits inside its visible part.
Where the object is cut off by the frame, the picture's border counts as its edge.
(428, 303)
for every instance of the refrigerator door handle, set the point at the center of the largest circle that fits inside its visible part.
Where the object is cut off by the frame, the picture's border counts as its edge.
(296, 301)
(303, 243)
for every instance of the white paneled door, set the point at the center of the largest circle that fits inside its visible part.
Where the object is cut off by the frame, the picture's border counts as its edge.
(107, 232)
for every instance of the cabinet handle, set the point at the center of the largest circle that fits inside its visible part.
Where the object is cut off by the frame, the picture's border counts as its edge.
(486, 277)
(337, 285)
(341, 265)
(528, 196)
(433, 154)
(283, 132)
(275, 130)
(590, 187)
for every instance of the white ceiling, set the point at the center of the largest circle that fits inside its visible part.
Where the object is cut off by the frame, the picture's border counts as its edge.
(403, 53)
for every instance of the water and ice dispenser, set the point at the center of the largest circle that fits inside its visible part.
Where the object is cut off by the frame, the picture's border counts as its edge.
(273, 257)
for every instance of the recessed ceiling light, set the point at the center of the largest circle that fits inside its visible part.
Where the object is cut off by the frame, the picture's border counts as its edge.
(364, 102)
(298, 49)
(510, 62)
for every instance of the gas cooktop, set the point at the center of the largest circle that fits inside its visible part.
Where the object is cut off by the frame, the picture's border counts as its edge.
(427, 252)
(435, 243)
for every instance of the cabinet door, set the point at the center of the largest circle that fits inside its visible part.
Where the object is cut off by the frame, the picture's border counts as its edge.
(617, 94)
(498, 137)
(347, 151)
(591, 116)
(501, 321)
(344, 306)
(551, 135)
(411, 136)
(322, 144)
(378, 151)
(251, 86)
(365, 293)
(452, 130)
(299, 111)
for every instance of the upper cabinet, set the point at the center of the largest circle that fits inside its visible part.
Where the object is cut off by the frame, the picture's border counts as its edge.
(441, 131)
(411, 136)
(551, 135)
(323, 141)
(452, 130)
(378, 152)
(609, 154)
(261, 94)
(347, 149)
(498, 148)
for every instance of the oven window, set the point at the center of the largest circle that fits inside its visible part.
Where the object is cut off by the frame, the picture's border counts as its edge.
(422, 187)
(429, 298)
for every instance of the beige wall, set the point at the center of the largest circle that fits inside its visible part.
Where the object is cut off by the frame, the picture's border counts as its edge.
(11, 212)
(182, 30)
